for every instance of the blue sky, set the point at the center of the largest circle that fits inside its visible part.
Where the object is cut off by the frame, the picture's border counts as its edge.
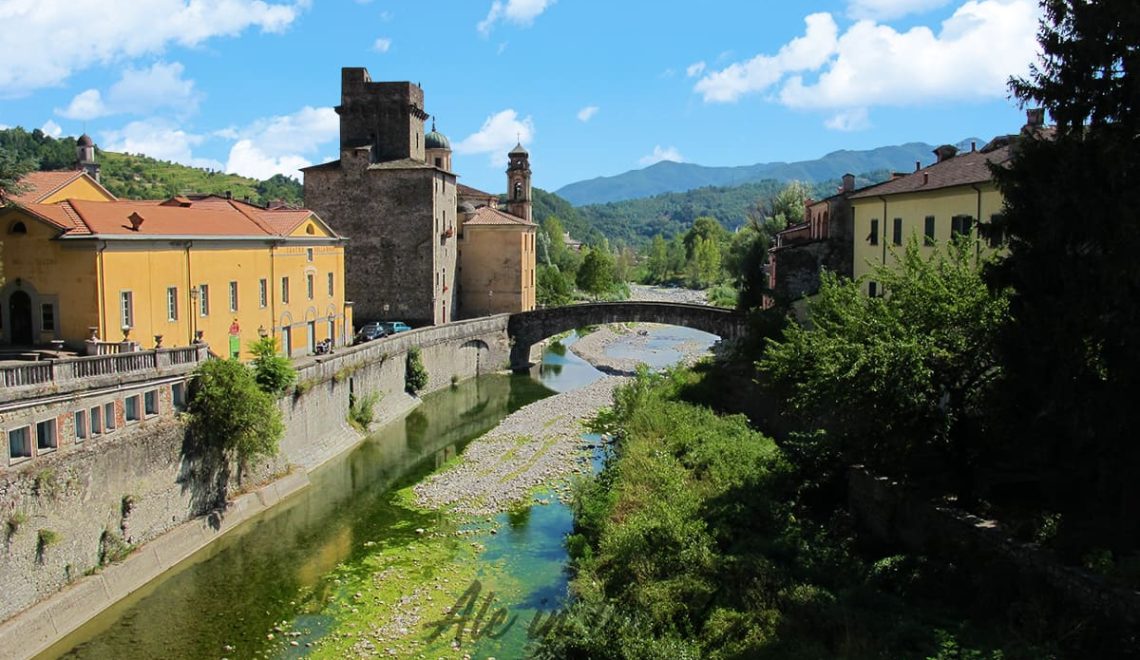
(594, 87)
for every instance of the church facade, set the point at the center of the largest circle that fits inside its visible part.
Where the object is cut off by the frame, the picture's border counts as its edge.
(419, 250)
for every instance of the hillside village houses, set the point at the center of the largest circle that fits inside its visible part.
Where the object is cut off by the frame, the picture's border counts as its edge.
(422, 248)
(81, 266)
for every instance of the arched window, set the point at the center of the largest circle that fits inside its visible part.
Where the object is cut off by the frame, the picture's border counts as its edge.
(310, 230)
(18, 227)
(518, 189)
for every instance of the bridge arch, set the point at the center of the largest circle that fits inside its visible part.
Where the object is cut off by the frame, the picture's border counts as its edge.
(528, 328)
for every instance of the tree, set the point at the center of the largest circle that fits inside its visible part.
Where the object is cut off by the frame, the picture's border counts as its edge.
(554, 288)
(229, 412)
(901, 380)
(704, 266)
(12, 169)
(415, 374)
(596, 276)
(657, 261)
(1072, 347)
(273, 372)
(706, 228)
(555, 232)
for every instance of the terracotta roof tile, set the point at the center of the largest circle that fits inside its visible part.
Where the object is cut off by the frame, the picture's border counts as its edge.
(486, 215)
(40, 185)
(468, 191)
(961, 170)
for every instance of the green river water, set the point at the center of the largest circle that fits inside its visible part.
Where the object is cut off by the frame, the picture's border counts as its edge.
(220, 602)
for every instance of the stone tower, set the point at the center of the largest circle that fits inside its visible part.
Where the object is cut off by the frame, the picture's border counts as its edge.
(85, 156)
(387, 117)
(518, 183)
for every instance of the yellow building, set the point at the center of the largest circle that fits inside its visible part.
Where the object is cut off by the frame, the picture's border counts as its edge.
(932, 204)
(497, 263)
(78, 262)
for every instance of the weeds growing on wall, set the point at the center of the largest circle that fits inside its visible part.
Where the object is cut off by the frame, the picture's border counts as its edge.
(415, 374)
(361, 410)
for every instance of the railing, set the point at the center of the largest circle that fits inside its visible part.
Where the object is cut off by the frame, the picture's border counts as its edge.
(111, 347)
(33, 373)
(96, 366)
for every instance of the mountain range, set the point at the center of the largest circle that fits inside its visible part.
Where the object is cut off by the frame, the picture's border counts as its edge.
(668, 176)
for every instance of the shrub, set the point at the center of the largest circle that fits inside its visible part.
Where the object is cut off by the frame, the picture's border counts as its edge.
(230, 413)
(15, 519)
(272, 371)
(415, 375)
(360, 410)
(44, 539)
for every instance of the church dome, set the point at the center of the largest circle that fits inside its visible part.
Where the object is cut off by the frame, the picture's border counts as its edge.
(85, 141)
(436, 140)
(519, 150)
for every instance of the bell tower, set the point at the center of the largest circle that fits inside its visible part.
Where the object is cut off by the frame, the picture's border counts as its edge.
(518, 183)
(85, 156)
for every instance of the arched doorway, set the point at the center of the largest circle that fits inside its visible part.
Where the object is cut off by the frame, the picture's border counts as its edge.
(20, 318)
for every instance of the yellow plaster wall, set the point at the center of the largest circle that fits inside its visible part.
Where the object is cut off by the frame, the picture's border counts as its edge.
(499, 260)
(49, 267)
(81, 188)
(913, 208)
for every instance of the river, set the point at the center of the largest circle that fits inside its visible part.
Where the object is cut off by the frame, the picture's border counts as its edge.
(283, 567)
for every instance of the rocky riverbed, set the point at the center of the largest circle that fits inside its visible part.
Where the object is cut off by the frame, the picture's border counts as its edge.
(541, 444)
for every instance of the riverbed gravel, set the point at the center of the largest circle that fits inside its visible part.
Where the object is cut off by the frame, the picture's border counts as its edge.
(541, 444)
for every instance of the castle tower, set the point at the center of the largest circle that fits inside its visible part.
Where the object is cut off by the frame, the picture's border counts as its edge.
(518, 183)
(85, 156)
(437, 149)
(387, 117)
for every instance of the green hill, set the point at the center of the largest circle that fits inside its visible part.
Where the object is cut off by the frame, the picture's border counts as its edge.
(141, 177)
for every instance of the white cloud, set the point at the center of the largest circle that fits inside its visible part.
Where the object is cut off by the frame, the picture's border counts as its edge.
(660, 154)
(51, 128)
(587, 113)
(971, 57)
(808, 52)
(279, 145)
(888, 9)
(138, 91)
(382, 45)
(159, 139)
(855, 119)
(248, 160)
(52, 39)
(695, 69)
(498, 134)
(519, 12)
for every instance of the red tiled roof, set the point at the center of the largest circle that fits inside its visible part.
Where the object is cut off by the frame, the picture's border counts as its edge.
(486, 215)
(961, 170)
(40, 185)
(468, 191)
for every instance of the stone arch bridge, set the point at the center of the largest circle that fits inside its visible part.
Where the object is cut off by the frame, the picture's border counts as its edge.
(528, 328)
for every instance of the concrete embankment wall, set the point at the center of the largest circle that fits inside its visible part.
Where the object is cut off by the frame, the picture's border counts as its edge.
(141, 487)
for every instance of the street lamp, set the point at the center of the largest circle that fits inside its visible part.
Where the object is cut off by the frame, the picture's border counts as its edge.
(262, 332)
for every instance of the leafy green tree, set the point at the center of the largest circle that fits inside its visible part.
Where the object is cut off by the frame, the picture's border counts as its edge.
(542, 241)
(274, 372)
(657, 261)
(706, 228)
(624, 262)
(704, 266)
(554, 288)
(229, 412)
(415, 374)
(554, 230)
(1072, 347)
(12, 169)
(596, 276)
(676, 256)
(900, 380)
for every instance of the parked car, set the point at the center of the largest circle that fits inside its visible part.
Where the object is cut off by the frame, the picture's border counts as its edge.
(392, 327)
(369, 332)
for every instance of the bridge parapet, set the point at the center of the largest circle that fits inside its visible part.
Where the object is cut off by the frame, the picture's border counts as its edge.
(529, 328)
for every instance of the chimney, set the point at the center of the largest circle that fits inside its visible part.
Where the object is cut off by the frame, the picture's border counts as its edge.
(917, 165)
(946, 152)
(1035, 117)
(136, 221)
(973, 146)
(848, 182)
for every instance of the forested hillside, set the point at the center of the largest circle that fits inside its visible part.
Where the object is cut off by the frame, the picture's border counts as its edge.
(142, 177)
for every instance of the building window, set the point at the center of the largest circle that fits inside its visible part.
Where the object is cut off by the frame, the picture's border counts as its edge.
(19, 443)
(80, 425)
(47, 317)
(309, 285)
(45, 435)
(309, 254)
(993, 233)
(18, 228)
(898, 231)
(178, 395)
(961, 225)
(127, 309)
(263, 293)
(285, 290)
(203, 299)
(171, 303)
(109, 420)
(928, 234)
(872, 288)
(331, 288)
(96, 421)
(131, 408)
(873, 237)
(233, 297)
(150, 403)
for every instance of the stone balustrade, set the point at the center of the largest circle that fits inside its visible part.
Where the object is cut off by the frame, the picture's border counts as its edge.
(19, 380)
